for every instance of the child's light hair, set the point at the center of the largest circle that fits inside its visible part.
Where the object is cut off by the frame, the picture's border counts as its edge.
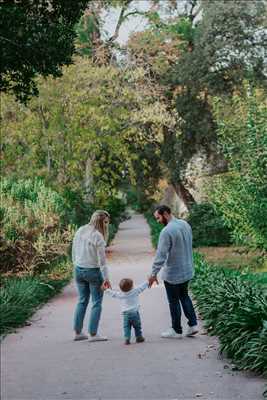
(97, 221)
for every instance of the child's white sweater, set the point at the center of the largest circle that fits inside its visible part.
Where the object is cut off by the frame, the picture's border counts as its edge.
(129, 300)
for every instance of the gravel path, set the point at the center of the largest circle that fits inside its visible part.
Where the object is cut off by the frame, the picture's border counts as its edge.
(42, 362)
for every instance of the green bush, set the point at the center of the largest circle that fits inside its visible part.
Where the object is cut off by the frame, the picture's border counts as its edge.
(77, 210)
(21, 296)
(37, 224)
(33, 227)
(132, 199)
(138, 199)
(155, 228)
(208, 226)
(234, 307)
(241, 194)
(116, 207)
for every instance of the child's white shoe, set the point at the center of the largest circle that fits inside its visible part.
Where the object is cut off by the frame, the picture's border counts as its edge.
(171, 334)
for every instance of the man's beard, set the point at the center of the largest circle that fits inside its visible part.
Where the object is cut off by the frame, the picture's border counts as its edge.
(164, 220)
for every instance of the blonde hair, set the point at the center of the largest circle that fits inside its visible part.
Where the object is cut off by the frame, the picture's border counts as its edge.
(97, 221)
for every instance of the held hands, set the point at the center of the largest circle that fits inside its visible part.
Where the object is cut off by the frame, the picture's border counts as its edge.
(106, 285)
(151, 280)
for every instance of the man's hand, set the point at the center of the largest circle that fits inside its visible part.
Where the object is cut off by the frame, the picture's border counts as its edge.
(151, 280)
(106, 284)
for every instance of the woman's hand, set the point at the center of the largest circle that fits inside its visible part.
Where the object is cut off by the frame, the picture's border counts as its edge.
(106, 284)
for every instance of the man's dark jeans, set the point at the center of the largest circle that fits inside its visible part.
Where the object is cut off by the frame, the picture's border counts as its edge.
(178, 293)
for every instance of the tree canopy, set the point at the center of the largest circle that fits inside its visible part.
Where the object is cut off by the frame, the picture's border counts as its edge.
(36, 37)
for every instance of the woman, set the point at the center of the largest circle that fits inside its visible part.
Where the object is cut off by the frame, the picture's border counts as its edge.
(91, 272)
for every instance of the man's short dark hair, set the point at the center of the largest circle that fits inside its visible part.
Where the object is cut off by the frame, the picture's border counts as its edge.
(162, 209)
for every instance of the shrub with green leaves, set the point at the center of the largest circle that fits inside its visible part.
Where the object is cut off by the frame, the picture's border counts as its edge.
(241, 194)
(208, 226)
(21, 296)
(116, 207)
(155, 228)
(78, 211)
(33, 228)
(234, 307)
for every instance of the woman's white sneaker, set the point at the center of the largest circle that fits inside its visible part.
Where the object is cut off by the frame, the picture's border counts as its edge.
(80, 336)
(192, 330)
(171, 334)
(97, 338)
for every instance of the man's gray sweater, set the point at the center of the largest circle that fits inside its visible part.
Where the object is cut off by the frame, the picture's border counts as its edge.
(174, 252)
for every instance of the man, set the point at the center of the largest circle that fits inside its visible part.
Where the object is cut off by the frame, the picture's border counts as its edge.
(175, 257)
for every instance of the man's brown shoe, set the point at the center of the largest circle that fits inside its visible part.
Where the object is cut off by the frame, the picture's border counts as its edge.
(127, 341)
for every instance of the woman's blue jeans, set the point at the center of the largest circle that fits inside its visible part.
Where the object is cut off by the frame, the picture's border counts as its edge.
(89, 281)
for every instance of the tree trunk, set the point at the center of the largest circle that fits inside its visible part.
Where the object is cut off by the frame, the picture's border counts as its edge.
(88, 180)
(184, 194)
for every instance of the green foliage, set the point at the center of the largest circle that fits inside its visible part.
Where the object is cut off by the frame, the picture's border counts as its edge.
(82, 131)
(208, 65)
(38, 224)
(116, 207)
(224, 64)
(33, 227)
(148, 171)
(77, 210)
(208, 226)
(21, 296)
(132, 199)
(219, 66)
(86, 29)
(32, 192)
(155, 228)
(36, 38)
(139, 198)
(234, 306)
(241, 194)
(184, 29)
(117, 210)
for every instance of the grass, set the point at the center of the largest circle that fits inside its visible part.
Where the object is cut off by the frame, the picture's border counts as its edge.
(234, 257)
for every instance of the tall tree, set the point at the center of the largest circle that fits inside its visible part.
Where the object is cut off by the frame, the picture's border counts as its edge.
(83, 129)
(204, 48)
(228, 45)
(101, 47)
(36, 37)
(241, 194)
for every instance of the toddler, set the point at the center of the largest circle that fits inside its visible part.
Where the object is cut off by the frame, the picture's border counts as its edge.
(130, 308)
